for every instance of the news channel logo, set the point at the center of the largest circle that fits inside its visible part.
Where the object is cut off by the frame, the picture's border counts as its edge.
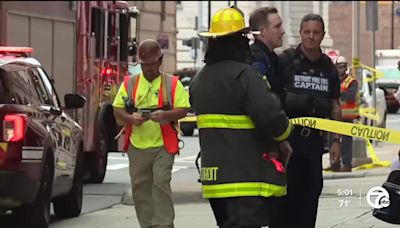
(378, 197)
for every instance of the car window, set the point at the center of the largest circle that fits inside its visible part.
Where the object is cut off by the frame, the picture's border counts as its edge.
(4, 91)
(40, 87)
(49, 87)
(15, 87)
(29, 92)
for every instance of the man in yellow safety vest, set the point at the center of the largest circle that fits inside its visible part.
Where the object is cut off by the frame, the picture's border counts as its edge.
(149, 103)
(349, 104)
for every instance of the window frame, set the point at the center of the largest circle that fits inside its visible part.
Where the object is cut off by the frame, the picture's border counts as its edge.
(40, 87)
(53, 93)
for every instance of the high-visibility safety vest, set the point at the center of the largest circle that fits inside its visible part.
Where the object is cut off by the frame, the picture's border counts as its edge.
(234, 145)
(350, 108)
(165, 102)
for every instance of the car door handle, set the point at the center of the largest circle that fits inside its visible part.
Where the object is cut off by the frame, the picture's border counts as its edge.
(55, 111)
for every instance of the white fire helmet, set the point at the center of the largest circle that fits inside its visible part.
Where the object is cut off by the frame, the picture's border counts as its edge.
(340, 60)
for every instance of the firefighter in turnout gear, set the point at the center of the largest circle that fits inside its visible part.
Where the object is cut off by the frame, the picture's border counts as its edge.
(236, 112)
(149, 103)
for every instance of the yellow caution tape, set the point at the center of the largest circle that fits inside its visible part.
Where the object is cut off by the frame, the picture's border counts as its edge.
(375, 160)
(349, 129)
(356, 62)
(377, 73)
(371, 110)
(370, 113)
(354, 130)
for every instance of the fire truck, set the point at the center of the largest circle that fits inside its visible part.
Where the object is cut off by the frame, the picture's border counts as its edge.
(86, 47)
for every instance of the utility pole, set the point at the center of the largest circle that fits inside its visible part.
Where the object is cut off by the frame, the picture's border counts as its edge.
(209, 14)
(392, 27)
(356, 30)
(372, 25)
(359, 146)
(198, 50)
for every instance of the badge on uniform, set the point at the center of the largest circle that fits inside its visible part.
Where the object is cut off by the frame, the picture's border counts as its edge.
(264, 77)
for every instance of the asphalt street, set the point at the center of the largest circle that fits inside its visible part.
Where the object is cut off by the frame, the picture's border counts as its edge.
(102, 202)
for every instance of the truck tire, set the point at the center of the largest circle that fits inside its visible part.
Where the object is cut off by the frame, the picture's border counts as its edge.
(70, 205)
(37, 213)
(187, 129)
(98, 160)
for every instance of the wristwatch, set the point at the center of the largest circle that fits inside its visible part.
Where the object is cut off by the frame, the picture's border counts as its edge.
(339, 140)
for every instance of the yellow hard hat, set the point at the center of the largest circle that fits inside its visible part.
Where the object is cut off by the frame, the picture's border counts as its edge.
(226, 21)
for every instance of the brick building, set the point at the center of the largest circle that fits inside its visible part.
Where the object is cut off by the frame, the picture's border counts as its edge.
(158, 21)
(340, 22)
(290, 11)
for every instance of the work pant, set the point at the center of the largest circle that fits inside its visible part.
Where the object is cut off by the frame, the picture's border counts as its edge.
(150, 171)
(304, 184)
(347, 148)
(241, 212)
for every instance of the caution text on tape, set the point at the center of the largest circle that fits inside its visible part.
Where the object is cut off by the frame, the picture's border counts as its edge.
(349, 129)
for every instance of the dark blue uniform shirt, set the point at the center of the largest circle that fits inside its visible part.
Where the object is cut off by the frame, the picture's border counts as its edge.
(266, 63)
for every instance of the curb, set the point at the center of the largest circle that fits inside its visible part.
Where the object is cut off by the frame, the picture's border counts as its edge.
(177, 197)
(355, 174)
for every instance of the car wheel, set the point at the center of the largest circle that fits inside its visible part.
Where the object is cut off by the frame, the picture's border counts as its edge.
(37, 213)
(187, 129)
(70, 205)
(99, 161)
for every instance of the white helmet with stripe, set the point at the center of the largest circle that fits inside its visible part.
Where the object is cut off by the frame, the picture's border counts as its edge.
(340, 60)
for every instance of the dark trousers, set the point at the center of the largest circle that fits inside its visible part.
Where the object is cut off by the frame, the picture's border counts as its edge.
(241, 212)
(304, 180)
(347, 148)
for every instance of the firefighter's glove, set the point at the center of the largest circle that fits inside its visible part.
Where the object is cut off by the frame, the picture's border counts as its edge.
(278, 165)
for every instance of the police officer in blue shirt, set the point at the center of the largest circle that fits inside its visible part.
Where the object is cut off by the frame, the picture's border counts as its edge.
(268, 32)
(268, 23)
(311, 89)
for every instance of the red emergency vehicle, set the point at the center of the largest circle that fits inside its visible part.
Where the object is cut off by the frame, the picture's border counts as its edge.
(85, 47)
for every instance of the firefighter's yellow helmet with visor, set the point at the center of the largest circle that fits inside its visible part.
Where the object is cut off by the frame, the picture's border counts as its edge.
(227, 21)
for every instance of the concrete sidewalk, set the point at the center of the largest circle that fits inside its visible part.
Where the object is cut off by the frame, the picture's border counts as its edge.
(190, 192)
(199, 215)
(335, 210)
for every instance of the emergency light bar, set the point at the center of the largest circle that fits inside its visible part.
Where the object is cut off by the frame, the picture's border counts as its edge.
(24, 50)
(106, 71)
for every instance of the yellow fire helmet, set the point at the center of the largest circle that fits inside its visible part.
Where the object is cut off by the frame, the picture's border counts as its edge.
(227, 21)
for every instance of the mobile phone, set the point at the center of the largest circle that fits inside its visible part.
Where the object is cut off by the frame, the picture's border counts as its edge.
(146, 113)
